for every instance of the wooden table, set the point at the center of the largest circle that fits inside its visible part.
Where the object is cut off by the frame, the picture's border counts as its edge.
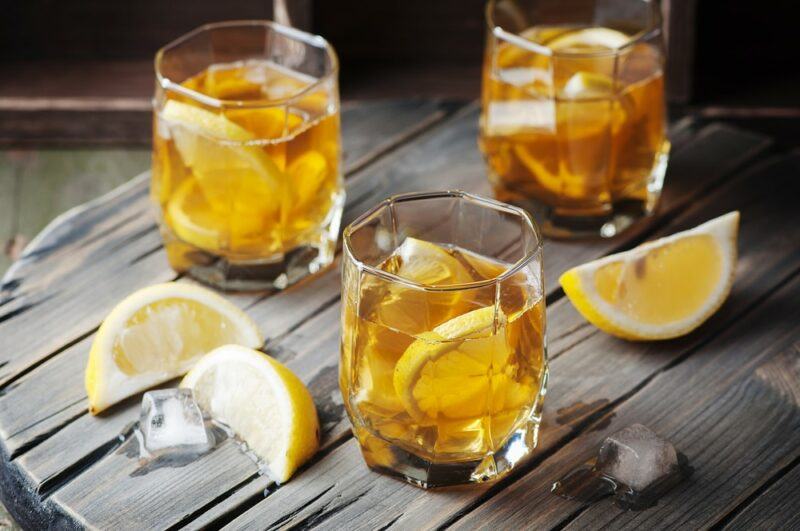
(728, 395)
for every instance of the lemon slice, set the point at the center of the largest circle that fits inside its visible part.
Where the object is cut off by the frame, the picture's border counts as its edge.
(447, 372)
(662, 289)
(589, 40)
(196, 222)
(212, 145)
(262, 401)
(400, 311)
(158, 333)
(588, 85)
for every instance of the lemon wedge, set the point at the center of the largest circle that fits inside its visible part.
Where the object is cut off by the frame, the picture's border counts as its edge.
(212, 146)
(450, 371)
(589, 40)
(262, 401)
(588, 85)
(158, 333)
(661, 289)
(405, 310)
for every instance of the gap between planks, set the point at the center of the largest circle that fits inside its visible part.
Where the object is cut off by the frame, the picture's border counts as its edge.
(694, 219)
(634, 242)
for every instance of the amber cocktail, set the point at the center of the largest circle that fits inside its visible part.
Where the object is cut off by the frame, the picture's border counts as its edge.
(573, 121)
(443, 365)
(246, 154)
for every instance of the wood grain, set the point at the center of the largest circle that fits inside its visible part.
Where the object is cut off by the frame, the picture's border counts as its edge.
(585, 378)
(118, 240)
(776, 508)
(303, 323)
(96, 228)
(701, 405)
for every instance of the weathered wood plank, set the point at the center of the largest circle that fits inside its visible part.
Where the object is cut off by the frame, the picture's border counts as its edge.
(585, 378)
(42, 417)
(35, 278)
(568, 319)
(739, 149)
(297, 301)
(732, 408)
(81, 249)
(776, 508)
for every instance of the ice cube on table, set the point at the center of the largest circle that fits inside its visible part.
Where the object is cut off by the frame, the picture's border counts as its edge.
(171, 421)
(636, 457)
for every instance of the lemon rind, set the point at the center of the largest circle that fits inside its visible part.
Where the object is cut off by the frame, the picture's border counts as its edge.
(115, 384)
(578, 284)
(281, 380)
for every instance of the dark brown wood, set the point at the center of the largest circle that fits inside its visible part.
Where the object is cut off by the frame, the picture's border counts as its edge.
(675, 396)
(586, 379)
(94, 29)
(680, 27)
(778, 507)
(69, 468)
(560, 320)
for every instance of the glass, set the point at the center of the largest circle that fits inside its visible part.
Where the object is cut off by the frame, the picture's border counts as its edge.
(443, 364)
(573, 117)
(247, 154)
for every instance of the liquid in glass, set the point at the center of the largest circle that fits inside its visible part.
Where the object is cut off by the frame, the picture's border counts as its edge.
(246, 173)
(574, 127)
(454, 378)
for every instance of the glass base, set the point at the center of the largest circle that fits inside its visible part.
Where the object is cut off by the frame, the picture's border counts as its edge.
(605, 221)
(247, 273)
(389, 458)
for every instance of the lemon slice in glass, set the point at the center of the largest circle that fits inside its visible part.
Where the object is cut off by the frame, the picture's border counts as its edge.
(589, 40)
(401, 311)
(262, 401)
(213, 146)
(661, 289)
(158, 333)
(452, 371)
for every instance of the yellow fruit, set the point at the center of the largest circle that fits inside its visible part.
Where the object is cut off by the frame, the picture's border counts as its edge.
(589, 40)
(212, 146)
(262, 401)
(196, 222)
(447, 373)
(661, 289)
(158, 333)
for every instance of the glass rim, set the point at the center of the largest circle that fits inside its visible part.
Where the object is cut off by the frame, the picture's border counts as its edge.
(416, 196)
(651, 30)
(305, 37)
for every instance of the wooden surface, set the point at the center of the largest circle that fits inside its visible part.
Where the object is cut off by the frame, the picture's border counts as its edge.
(728, 394)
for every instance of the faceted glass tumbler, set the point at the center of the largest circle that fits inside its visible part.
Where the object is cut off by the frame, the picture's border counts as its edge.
(247, 178)
(573, 121)
(443, 363)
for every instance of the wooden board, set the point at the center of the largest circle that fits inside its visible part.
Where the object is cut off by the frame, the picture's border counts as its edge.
(62, 466)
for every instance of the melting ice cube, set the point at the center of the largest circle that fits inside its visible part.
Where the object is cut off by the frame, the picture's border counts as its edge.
(634, 464)
(171, 421)
(636, 457)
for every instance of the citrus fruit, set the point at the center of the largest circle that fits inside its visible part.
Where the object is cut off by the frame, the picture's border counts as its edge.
(662, 289)
(158, 333)
(451, 371)
(262, 401)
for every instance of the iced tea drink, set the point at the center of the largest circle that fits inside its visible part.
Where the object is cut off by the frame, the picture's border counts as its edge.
(573, 121)
(443, 361)
(246, 154)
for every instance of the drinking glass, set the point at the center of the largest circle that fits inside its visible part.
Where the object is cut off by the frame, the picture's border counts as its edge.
(443, 362)
(573, 117)
(246, 154)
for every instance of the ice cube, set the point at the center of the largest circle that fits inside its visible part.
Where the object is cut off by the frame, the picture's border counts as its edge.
(171, 421)
(636, 457)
